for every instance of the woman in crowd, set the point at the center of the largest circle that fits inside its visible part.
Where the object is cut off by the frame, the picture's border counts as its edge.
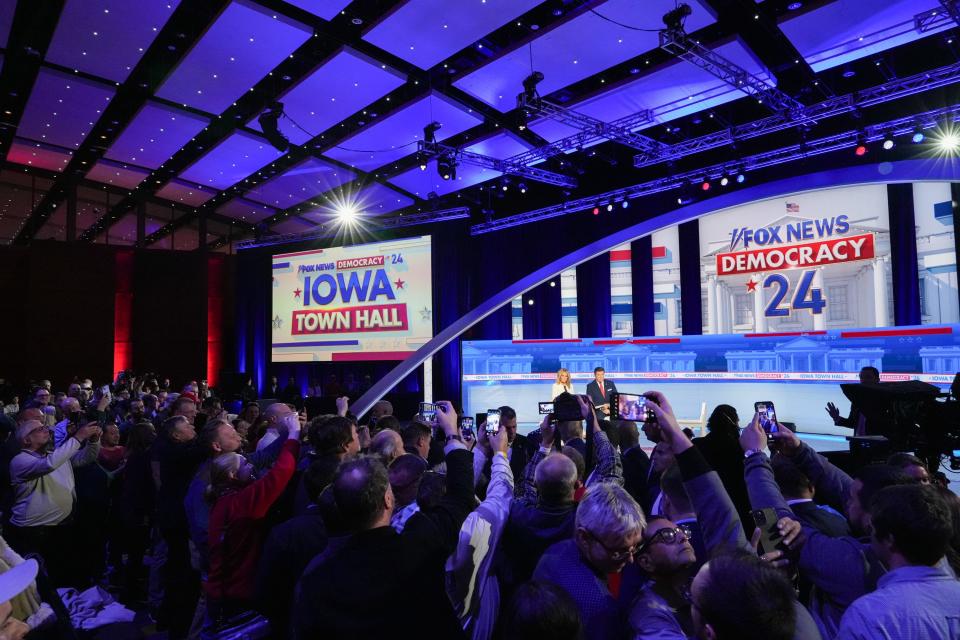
(238, 525)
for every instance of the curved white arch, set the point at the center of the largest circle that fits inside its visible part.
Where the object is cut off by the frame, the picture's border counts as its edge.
(887, 172)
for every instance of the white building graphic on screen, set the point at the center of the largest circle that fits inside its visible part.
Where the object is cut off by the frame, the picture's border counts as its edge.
(857, 293)
(802, 355)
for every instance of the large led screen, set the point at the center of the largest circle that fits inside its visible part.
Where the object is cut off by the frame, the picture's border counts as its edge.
(363, 302)
(799, 263)
(800, 372)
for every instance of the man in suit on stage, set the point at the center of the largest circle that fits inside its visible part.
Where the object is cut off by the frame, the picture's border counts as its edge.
(600, 389)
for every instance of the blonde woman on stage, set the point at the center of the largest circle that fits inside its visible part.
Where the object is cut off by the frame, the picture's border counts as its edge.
(562, 384)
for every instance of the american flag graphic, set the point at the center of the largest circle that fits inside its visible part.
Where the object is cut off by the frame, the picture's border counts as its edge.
(793, 207)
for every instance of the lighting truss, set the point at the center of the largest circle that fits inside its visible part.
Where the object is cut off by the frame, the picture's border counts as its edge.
(679, 44)
(948, 11)
(590, 126)
(434, 149)
(900, 126)
(326, 233)
(892, 90)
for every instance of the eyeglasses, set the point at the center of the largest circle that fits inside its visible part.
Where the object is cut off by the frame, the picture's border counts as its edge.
(615, 555)
(666, 536)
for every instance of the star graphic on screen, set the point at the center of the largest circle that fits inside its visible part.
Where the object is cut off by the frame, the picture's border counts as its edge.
(425, 313)
(399, 283)
(751, 285)
(296, 293)
(277, 322)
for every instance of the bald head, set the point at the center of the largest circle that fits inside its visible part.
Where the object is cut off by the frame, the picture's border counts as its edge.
(275, 412)
(381, 408)
(30, 414)
(405, 475)
(388, 445)
(70, 405)
(556, 479)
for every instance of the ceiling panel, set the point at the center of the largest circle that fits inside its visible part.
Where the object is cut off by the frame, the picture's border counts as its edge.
(421, 183)
(154, 135)
(293, 225)
(231, 161)
(427, 32)
(500, 146)
(125, 229)
(326, 9)
(857, 29)
(586, 45)
(338, 89)
(188, 193)
(672, 92)
(119, 175)
(396, 135)
(303, 181)
(246, 210)
(38, 155)
(239, 49)
(62, 109)
(107, 38)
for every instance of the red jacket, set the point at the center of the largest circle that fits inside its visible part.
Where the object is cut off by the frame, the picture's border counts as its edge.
(242, 515)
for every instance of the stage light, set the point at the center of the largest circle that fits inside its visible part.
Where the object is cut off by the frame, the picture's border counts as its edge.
(422, 160)
(347, 214)
(675, 17)
(596, 211)
(530, 85)
(269, 124)
(888, 141)
(918, 135)
(609, 207)
(861, 148)
(430, 132)
(706, 185)
(523, 187)
(741, 178)
(447, 167)
(505, 187)
(724, 181)
(947, 138)
(625, 204)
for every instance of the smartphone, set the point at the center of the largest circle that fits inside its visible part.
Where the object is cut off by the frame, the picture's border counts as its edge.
(768, 416)
(481, 418)
(428, 411)
(545, 408)
(766, 521)
(493, 421)
(466, 422)
(627, 406)
(105, 390)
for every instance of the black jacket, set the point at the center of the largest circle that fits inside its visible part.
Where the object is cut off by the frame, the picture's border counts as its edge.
(723, 453)
(531, 530)
(593, 390)
(374, 585)
(636, 468)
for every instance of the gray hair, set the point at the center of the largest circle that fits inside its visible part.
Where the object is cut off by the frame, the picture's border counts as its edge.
(387, 444)
(607, 507)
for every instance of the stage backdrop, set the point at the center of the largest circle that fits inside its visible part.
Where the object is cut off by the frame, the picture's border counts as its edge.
(798, 372)
(363, 302)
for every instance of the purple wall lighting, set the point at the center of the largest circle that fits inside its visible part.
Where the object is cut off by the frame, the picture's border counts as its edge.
(241, 47)
(396, 135)
(62, 109)
(38, 155)
(302, 182)
(429, 31)
(342, 86)
(154, 135)
(231, 161)
(117, 174)
(858, 28)
(326, 9)
(107, 38)
(241, 209)
(577, 49)
(190, 194)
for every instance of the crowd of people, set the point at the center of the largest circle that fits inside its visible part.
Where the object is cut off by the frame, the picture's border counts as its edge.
(251, 516)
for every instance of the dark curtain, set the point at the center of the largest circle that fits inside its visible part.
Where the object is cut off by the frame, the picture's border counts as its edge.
(594, 313)
(903, 255)
(641, 266)
(690, 306)
(542, 320)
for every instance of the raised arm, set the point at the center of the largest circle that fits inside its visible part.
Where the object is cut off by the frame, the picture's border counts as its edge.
(608, 468)
(833, 485)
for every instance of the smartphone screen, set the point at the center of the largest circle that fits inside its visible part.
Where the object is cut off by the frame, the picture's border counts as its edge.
(428, 411)
(493, 421)
(768, 416)
(466, 422)
(545, 408)
(628, 406)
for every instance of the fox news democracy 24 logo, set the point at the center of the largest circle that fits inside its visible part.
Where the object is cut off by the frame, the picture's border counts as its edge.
(804, 244)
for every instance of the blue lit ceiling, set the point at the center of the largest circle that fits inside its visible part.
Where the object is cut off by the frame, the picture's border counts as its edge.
(359, 81)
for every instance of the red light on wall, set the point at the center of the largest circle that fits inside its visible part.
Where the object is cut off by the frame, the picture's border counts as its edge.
(122, 311)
